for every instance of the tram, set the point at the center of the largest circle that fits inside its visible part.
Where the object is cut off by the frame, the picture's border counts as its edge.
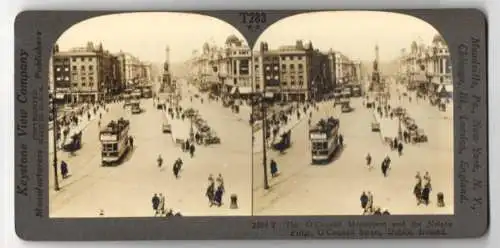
(114, 141)
(324, 140)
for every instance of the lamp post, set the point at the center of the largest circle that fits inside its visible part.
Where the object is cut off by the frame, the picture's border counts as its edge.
(263, 106)
(54, 136)
(264, 138)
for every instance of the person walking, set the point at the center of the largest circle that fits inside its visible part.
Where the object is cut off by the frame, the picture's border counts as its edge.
(156, 202)
(64, 169)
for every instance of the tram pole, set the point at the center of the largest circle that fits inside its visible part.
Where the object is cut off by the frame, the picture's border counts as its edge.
(264, 143)
(54, 145)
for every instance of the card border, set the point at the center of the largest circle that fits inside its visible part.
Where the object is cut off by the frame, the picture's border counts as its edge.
(457, 26)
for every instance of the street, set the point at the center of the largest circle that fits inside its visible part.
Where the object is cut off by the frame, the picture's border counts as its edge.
(335, 188)
(126, 190)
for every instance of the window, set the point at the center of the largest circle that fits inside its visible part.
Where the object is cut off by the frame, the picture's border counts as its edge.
(268, 77)
(268, 68)
(292, 67)
(83, 84)
(293, 82)
(58, 78)
(73, 59)
(91, 78)
(276, 77)
(66, 69)
(91, 67)
(283, 58)
(91, 84)
(66, 78)
(283, 67)
(82, 59)
(89, 59)
(74, 67)
(58, 69)
(290, 57)
(83, 78)
(257, 86)
(75, 85)
(301, 66)
(82, 68)
(276, 68)
(75, 77)
(285, 83)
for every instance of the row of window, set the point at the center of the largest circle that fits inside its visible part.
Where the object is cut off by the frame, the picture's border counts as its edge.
(285, 83)
(58, 69)
(74, 59)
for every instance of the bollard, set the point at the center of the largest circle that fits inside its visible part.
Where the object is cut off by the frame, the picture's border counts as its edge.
(234, 201)
(101, 212)
(440, 199)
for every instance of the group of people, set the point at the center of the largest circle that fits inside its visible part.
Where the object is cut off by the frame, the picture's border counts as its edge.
(188, 146)
(366, 200)
(158, 202)
(385, 165)
(422, 188)
(215, 190)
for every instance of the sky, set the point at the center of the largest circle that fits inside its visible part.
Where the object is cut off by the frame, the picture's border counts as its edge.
(146, 35)
(354, 33)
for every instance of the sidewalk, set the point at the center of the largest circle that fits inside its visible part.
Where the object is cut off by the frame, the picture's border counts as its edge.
(180, 129)
(388, 128)
(258, 146)
(83, 122)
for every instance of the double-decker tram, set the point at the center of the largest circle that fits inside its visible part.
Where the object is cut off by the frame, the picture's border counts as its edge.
(115, 141)
(324, 140)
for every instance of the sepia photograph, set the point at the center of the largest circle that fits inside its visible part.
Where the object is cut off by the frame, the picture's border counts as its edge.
(354, 116)
(149, 118)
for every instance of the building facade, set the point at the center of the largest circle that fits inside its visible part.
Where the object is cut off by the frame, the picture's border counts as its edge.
(427, 67)
(90, 73)
(289, 73)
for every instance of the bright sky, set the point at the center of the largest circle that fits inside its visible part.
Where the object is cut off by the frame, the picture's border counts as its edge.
(146, 35)
(353, 33)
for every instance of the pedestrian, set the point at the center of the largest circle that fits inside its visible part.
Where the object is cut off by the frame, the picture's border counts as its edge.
(64, 169)
(161, 207)
(395, 144)
(218, 196)
(156, 202)
(427, 177)
(417, 192)
(386, 212)
(364, 200)
(341, 140)
(384, 168)
(176, 168)
(191, 150)
(220, 180)
(210, 193)
(160, 161)
(274, 168)
(426, 192)
(368, 160)
(370, 200)
(131, 141)
(400, 149)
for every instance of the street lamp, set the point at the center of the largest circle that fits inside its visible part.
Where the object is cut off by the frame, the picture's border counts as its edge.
(54, 136)
(264, 123)
(264, 137)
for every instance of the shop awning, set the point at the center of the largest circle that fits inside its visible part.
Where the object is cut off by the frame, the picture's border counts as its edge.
(245, 90)
(60, 95)
(269, 94)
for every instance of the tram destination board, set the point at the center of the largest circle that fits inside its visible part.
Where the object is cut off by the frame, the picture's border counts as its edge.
(222, 173)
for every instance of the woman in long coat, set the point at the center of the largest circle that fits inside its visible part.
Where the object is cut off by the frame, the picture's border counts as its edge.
(218, 195)
(210, 193)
